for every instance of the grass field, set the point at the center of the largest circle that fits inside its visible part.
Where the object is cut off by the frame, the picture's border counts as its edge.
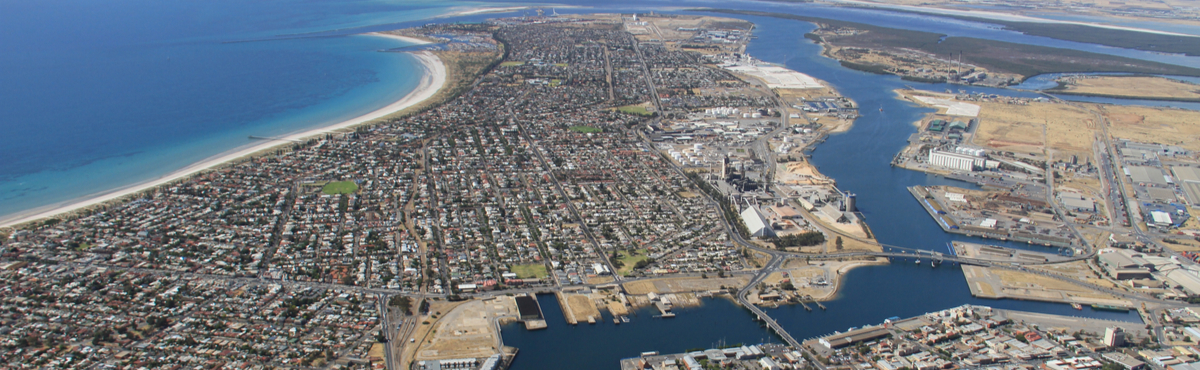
(637, 109)
(585, 129)
(530, 271)
(340, 187)
(512, 64)
(629, 260)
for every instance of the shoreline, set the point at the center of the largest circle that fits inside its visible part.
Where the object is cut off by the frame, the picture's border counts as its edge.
(432, 82)
(409, 39)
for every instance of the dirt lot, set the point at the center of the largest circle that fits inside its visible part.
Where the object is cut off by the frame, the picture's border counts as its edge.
(681, 285)
(1132, 86)
(1078, 270)
(1004, 283)
(1154, 125)
(465, 330)
(581, 306)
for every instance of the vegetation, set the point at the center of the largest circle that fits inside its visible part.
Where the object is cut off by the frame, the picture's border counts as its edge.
(998, 56)
(636, 109)
(870, 68)
(340, 187)
(529, 271)
(810, 238)
(629, 261)
(1096, 35)
(586, 129)
(402, 303)
(727, 206)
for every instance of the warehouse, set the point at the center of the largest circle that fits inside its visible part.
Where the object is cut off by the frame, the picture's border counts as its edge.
(853, 337)
(1146, 175)
(957, 161)
(757, 223)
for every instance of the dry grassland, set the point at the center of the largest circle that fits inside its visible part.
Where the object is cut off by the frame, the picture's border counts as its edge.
(683, 285)
(582, 306)
(1028, 128)
(1154, 125)
(1139, 86)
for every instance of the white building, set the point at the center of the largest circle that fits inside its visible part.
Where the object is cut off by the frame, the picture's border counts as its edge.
(1114, 337)
(953, 160)
(757, 223)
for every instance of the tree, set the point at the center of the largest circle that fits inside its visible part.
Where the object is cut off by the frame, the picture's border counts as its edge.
(401, 302)
(838, 243)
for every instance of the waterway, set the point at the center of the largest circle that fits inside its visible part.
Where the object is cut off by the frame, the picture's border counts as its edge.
(859, 161)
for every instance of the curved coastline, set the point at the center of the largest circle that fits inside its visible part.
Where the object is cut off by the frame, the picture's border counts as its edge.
(432, 82)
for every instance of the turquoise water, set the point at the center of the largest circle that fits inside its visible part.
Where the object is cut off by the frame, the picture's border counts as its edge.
(98, 95)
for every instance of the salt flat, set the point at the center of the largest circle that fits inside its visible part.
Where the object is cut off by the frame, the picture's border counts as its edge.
(953, 107)
(777, 77)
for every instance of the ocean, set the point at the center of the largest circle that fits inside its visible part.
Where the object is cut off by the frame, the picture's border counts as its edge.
(97, 95)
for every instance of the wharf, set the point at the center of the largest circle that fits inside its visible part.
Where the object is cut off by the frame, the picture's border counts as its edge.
(950, 225)
(530, 311)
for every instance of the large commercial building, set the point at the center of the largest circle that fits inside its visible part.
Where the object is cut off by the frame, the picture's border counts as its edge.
(960, 159)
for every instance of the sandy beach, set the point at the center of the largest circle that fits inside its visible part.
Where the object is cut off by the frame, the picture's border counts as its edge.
(434, 80)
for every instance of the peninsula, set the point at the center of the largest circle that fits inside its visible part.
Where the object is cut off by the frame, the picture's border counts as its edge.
(609, 163)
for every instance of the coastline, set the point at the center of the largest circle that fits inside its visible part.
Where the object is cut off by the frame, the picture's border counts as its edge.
(409, 39)
(433, 81)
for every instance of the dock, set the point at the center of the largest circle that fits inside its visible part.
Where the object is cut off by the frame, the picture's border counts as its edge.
(664, 310)
(531, 312)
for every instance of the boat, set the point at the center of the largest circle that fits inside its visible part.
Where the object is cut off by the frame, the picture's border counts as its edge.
(1106, 307)
(624, 318)
(1076, 306)
(918, 261)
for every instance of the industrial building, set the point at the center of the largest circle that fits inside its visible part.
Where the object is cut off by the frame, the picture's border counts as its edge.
(1114, 337)
(853, 337)
(1077, 202)
(1188, 179)
(1123, 264)
(757, 224)
(1146, 175)
(960, 159)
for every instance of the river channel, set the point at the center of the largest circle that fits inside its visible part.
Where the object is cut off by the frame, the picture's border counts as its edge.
(859, 160)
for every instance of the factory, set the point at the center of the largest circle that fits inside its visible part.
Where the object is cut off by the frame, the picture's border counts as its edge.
(962, 158)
